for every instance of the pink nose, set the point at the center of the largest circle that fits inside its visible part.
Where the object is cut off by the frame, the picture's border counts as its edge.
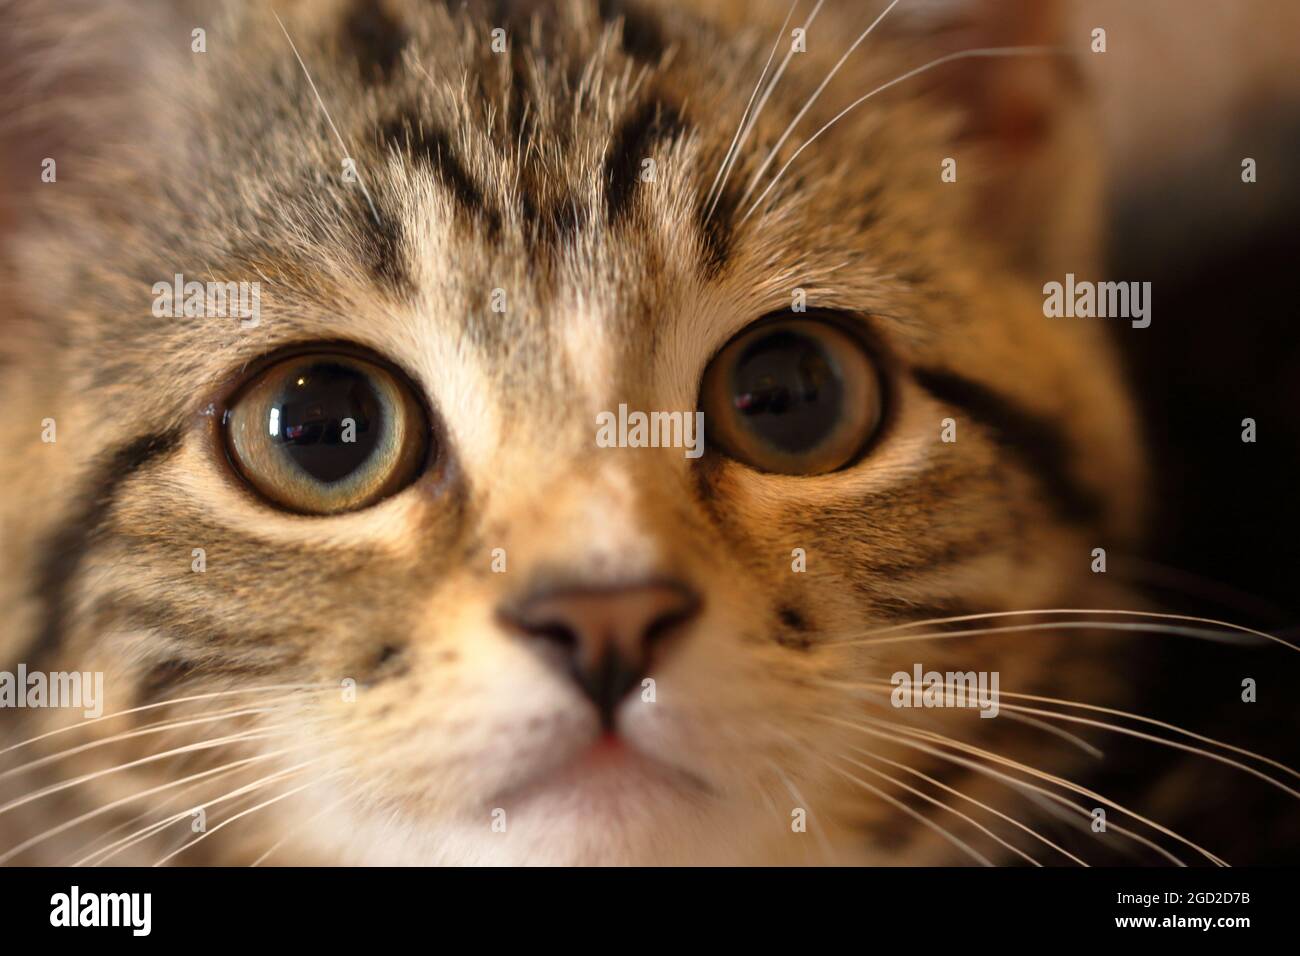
(603, 637)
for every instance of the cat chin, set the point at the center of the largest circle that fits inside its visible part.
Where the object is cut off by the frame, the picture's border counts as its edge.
(540, 837)
(614, 815)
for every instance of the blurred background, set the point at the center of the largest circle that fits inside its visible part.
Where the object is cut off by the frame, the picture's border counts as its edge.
(1187, 89)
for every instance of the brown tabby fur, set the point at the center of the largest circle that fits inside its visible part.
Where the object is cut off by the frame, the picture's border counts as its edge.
(519, 171)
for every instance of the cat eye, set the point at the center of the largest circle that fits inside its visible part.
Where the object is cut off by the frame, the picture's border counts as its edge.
(795, 396)
(327, 432)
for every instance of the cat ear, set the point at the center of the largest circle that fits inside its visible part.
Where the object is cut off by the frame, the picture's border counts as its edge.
(75, 75)
(1026, 141)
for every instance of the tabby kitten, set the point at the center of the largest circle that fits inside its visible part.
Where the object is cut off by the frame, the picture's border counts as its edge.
(353, 556)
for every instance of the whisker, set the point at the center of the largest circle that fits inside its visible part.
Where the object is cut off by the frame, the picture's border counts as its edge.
(225, 823)
(769, 802)
(132, 839)
(243, 736)
(722, 168)
(1198, 751)
(171, 834)
(964, 54)
(294, 831)
(1032, 789)
(1108, 611)
(789, 131)
(939, 803)
(100, 838)
(1158, 723)
(979, 803)
(1068, 785)
(1142, 628)
(919, 817)
(748, 127)
(90, 815)
(163, 703)
(1042, 725)
(1115, 728)
(337, 135)
(1042, 775)
(827, 851)
(155, 728)
(1095, 752)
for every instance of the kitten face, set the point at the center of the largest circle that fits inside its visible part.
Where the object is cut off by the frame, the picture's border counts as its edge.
(505, 254)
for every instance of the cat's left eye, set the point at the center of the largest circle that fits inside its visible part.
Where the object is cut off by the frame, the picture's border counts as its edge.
(327, 432)
(797, 395)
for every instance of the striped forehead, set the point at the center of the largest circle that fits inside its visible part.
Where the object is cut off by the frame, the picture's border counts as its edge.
(571, 124)
(542, 213)
(562, 270)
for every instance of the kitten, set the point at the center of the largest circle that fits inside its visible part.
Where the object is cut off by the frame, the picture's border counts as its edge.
(467, 632)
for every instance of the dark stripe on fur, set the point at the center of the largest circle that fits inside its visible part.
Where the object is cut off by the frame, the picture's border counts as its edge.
(1037, 440)
(553, 225)
(717, 232)
(654, 124)
(940, 555)
(642, 37)
(63, 552)
(167, 678)
(161, 680)
(211, 636)
(432, 149)
(380, 242)
(375, 39)
(897, 610)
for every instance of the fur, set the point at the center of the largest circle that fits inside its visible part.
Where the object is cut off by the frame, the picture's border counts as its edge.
(519, 171)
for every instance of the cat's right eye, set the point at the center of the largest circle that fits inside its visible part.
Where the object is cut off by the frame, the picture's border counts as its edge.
(327, 432)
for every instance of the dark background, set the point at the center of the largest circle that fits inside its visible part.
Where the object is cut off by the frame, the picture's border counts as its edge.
(1224, 536)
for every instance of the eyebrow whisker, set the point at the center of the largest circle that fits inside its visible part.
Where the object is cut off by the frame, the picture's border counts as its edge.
(963, 54)
(722, 168)
(789, 130)
(750, 121)
(339, 136)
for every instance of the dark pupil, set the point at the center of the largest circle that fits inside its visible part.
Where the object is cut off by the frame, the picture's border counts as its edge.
(313, 409)
(786, 391)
